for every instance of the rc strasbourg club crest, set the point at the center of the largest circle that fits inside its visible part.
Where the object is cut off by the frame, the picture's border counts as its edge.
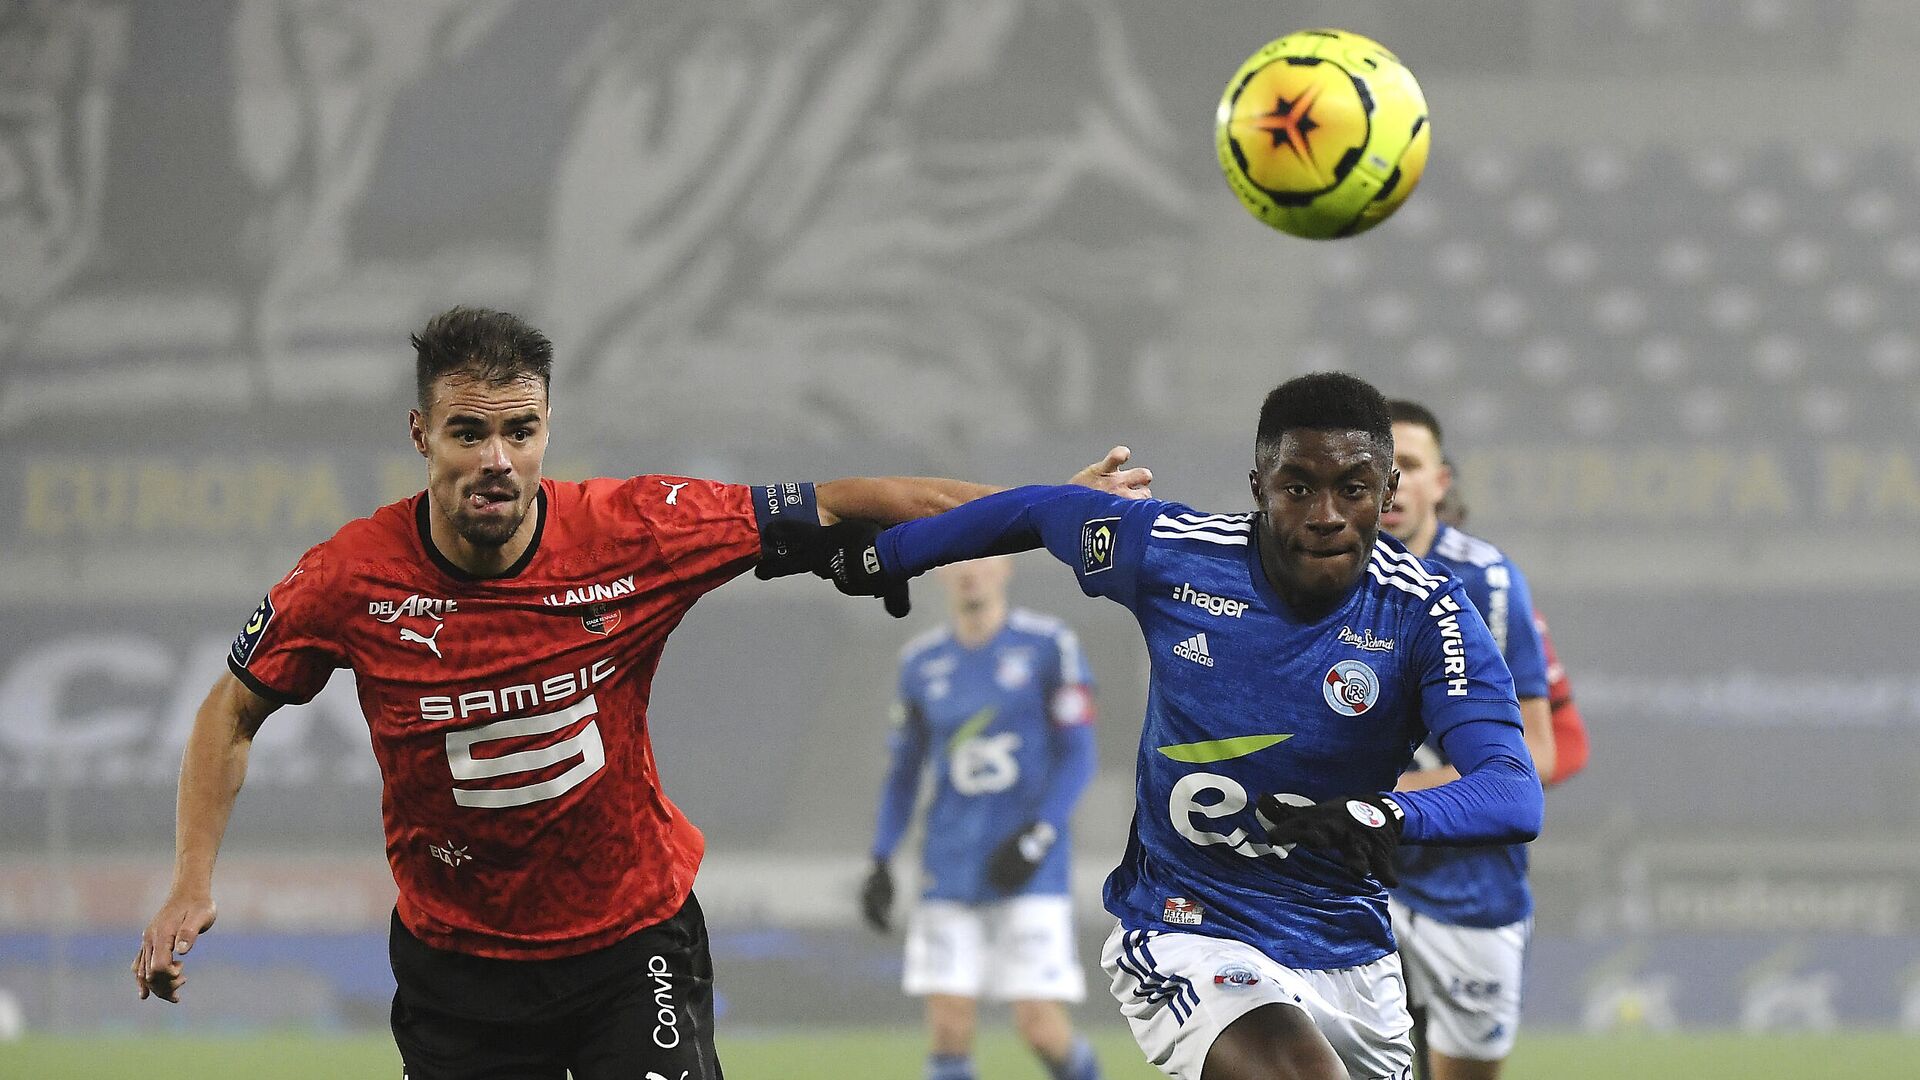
(1351, 688)
(600, 619)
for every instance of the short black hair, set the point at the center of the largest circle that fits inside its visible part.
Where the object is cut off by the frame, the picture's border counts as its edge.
(1412, 412)
(493, 346)
(1322, 401)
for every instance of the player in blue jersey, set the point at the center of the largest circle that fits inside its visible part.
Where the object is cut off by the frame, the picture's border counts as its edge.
(1463, 915)
(1298, 659)
(999, 703)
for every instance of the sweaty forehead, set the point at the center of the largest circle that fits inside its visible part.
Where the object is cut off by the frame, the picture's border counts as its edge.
(468, 395)
(1329, 453)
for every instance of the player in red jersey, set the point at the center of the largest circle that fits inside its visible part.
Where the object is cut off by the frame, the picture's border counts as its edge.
(1569, 730)
(503, 630)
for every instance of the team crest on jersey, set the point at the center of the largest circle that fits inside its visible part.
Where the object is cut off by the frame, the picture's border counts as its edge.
(600, 619)
(1181, 911)
(1096, 545)
(1351, 688)
(1015, 670)
(250, 634)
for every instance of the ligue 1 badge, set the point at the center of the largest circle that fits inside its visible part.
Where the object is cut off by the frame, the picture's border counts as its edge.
(600, 619)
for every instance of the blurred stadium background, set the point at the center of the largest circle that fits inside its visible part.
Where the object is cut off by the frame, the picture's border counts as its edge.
(1659, 282)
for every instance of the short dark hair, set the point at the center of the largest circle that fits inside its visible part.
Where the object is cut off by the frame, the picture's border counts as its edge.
(1412, 412)
(1321, 401)
(490, 345)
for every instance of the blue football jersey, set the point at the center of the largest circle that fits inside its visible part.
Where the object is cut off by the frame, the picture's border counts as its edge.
(1245, 699)
(989, 718)
(1480, 886)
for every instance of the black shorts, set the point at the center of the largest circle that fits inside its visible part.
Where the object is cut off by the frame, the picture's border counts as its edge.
(640, 1007)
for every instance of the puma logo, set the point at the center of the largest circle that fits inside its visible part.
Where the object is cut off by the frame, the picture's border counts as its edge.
(673, 492)
(428, 641)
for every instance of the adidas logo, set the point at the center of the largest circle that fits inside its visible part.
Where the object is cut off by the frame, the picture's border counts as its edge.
(1194, 649)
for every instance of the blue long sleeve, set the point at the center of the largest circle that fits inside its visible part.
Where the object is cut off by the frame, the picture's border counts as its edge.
(908, 753)
(1075, 754)
(1018, 519)
(1497, 799)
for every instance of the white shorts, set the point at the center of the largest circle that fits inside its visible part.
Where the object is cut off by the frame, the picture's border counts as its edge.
(1467, 979)
(1012, 950)
(1180, 991)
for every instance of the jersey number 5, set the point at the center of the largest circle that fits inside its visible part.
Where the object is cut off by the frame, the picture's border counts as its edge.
(584, 744)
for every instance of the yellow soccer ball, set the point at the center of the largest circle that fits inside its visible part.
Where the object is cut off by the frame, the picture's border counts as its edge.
(1322, 133)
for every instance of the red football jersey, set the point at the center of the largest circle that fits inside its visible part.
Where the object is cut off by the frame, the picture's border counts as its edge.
(1569, 729)
(523, 812)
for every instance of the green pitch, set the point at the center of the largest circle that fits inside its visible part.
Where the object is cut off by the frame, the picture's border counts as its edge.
(887, 1055)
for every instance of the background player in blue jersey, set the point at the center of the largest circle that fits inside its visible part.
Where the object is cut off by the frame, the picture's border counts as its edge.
(999, 703)
(1298, 659)
(1463, 915)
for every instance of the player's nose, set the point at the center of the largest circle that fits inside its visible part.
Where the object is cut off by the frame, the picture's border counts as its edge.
(494, 460)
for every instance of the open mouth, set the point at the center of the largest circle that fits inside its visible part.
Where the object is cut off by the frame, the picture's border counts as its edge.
(490, 501)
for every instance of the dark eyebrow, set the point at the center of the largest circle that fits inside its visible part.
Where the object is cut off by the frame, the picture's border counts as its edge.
(531, 416)
(1290, 469)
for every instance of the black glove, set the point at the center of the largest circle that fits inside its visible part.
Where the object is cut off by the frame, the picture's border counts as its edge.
(1012, 863)
(849, 559)
(1360, 832)
(876, 897)
(789, 547)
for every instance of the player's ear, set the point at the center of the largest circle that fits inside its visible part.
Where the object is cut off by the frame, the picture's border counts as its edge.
(1393, 486)
(1443, 476)
(1253, 484)
(417, 430)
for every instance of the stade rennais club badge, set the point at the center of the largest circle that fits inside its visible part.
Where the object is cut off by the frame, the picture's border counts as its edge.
(600, 619)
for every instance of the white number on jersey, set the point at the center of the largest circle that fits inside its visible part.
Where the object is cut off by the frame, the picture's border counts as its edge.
(985, 765)
(1186, 804)
(584, 744)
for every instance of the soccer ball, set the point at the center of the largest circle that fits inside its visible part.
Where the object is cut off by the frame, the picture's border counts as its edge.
(1322, 133)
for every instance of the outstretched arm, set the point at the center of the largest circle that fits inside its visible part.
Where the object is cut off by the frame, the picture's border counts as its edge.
(889, 500)
(211, 771)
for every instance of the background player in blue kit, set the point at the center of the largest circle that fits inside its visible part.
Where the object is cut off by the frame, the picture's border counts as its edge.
(1463, 915)
(1298, 659)
(999, 703)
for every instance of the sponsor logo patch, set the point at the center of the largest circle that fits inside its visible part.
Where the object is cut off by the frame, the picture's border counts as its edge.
(1366, 814)
(1236, 977)
(1195, 649)
(1097, 544)
(1181, 911)
(1212, 605)
(1453, 645)
(1364, 640)
(1351, 688)
(250, 634)
(453, 855)
(413, 607)
(592, 594)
